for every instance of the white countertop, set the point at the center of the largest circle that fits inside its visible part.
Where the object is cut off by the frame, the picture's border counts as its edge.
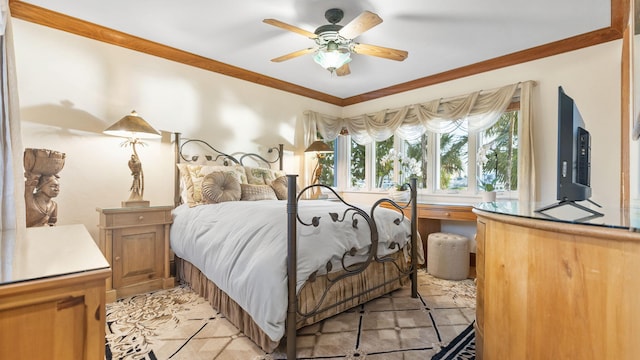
(48, 251)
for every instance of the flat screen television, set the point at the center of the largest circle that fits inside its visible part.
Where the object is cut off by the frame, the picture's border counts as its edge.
(574, 152)
(574, 156)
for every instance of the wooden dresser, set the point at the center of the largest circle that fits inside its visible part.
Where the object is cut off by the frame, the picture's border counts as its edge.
(135, 241)
(52, 295)
(550, 289)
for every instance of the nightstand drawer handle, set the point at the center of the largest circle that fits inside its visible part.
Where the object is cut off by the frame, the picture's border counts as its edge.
(140, 218)
(117, 258)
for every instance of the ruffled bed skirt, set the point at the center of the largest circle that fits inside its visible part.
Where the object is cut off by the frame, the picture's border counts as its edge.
(376, 280)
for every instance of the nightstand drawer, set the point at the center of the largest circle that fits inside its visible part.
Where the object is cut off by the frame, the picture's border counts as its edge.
(138, 218)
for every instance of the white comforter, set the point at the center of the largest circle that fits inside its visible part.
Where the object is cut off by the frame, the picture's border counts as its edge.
(242, 247)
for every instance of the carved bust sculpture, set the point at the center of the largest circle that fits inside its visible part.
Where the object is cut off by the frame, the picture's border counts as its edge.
(41, 209)
(41, 185)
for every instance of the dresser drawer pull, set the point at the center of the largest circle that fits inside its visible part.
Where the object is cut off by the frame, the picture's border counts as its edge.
(140, 218)
(117, 258)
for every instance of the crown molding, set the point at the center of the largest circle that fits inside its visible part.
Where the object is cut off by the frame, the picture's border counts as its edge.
(38, 15)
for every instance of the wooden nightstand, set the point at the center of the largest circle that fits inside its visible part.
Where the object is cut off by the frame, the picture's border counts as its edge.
(135, 241)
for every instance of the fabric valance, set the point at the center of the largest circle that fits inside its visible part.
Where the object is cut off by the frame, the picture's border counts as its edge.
(478, 110)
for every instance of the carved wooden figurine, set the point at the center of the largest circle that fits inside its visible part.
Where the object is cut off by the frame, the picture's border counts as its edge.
(41, 185)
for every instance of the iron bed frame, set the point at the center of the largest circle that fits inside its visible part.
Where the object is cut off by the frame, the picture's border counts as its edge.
(352, 213)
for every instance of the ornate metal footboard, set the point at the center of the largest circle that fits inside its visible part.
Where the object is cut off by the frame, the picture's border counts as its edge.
(354, 215)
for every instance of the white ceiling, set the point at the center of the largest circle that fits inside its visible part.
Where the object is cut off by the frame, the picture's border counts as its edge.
(439, 35)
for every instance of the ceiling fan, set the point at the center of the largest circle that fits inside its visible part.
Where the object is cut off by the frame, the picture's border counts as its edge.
(334, 43)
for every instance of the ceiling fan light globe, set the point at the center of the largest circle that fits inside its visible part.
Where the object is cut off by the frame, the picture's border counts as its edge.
(331, 60)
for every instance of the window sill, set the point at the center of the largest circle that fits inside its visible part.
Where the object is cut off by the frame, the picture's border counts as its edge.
(430, 198)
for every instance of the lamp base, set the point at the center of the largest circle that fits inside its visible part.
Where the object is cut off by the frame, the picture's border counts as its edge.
(135, 203)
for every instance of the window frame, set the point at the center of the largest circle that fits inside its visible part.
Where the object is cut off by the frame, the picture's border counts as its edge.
(432, 181)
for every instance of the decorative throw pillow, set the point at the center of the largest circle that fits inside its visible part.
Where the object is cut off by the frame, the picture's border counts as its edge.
(261, 176)
(219, 187)
(198, 172)
(186, 185)
(279, 186)
(257, 192)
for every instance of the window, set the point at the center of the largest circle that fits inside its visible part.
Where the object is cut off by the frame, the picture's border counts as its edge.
(459, 162)
(328, 166)
(357, 160)
(385, 163)
(453, 160)
(459, 145)
(414, 162)
(498, 155)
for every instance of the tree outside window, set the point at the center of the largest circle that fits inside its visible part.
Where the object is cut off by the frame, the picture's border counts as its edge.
(357, 161)
(454, 151)
(498, 154)
(384, 171)
(417, 151)
(327, 160)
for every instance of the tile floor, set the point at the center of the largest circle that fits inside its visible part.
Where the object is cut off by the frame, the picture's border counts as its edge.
(395, 326)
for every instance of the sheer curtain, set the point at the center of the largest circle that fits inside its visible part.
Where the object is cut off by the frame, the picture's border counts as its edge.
(479, 110)
(12, 208)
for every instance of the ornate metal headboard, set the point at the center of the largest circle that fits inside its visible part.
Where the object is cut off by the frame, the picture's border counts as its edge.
(219, 156)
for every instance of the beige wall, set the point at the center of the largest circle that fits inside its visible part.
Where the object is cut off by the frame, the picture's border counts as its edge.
(71, 88)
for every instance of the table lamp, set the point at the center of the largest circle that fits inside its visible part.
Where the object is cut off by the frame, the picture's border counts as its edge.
(320, 148)
(134, 128)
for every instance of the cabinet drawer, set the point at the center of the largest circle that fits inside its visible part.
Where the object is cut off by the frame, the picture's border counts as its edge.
(446, 214)
(138, 218)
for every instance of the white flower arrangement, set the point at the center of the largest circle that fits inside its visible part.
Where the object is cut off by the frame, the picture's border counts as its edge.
(483, 158)
(482, 154)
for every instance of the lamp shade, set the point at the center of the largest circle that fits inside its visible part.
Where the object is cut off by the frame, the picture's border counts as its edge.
(132, 126)
(319, 147)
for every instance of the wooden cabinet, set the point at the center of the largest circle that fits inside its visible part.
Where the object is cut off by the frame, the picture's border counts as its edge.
(479, 324)
(52, 295)
(552, 290)
(135, 241)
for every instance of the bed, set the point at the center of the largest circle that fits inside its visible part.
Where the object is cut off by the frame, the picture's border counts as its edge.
(273, 263)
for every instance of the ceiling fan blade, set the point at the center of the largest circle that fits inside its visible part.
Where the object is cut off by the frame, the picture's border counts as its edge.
(360, 24)
(343, 70)
(379, 51)
(293, 55)
(295, 29)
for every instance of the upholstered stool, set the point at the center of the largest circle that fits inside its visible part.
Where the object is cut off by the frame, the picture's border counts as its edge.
(448, 256)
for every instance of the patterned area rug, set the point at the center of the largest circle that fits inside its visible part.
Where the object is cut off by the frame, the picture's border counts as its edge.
(463, 347)
(178, 324)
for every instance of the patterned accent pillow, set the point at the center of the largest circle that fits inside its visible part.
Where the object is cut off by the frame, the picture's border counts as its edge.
(280, 186)
(262, 176)
(219, 187)
(194, 174)
(186, 185)
(257, 192)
